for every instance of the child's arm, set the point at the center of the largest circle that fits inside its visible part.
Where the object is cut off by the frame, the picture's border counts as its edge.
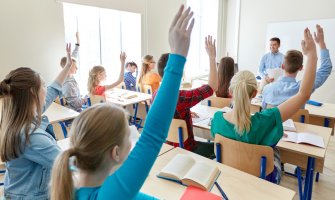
(213, 74)
(127, 181)
(65, 71)
(293, 104)
(123, 57)
(76, 49)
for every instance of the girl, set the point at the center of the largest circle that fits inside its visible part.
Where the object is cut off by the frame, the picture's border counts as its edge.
(28, 150)
(147, 77)
(100, 137)
(264, 128)
(226, 71)
(98, 74)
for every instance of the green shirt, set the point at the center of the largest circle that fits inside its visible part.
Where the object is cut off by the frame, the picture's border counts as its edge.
(266, 128)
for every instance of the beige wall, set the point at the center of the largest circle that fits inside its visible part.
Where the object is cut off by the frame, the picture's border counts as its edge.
(256, 14)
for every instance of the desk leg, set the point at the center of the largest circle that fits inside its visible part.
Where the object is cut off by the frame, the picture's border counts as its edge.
(317, 177)
(299, 183)
(135, 113)
(146, 107)
(326, 122)
(309, 179)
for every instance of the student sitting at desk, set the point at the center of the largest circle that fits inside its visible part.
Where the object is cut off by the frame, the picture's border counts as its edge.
(287, 85)
(129, 79)
(100, 143)
(28, 150)
(147, 76)
(264, 128)
(226, 71)
(189, 98)
(98, 75)
(70, 88)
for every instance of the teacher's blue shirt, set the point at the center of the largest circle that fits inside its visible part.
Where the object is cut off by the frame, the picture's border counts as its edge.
(270, 61)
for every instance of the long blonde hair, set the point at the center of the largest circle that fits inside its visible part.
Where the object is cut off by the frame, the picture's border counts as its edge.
(93, 80)
(146, 60)
(20, 110)
(242, 86)
(93, 133)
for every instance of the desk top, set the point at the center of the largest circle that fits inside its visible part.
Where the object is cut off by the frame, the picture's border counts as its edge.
(231, 180)
(117, 96)
(306, 149)
(326, 110)
(56, 113)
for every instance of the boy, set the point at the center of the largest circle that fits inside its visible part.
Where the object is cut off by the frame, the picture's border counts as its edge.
(129, 79)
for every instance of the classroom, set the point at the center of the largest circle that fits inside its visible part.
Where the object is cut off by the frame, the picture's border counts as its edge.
(246, 109)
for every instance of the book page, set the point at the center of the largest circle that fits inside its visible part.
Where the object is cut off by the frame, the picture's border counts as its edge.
(310, 138)
(202, 174)
(275, 73)
(291, 136)
(177, 167)
(288, 125)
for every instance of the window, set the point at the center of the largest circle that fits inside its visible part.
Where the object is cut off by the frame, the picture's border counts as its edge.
(206, 23)
(104, 33)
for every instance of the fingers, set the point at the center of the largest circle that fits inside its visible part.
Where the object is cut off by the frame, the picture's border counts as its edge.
(176, 18)
(183, 17)
(186, 21)
(190, 27)
(68, 48)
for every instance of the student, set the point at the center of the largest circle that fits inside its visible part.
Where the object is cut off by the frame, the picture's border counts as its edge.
(273, 59)
(129, 79)
(28, 150)
(287, 85)
(189, 98)
(100, 145)
(264, 128)
(147, 76)
(226, 71)
(98, 74)
(70, 89)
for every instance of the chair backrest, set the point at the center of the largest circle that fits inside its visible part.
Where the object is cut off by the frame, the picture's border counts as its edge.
(217, 102)
(243, 156)
(146, 89)
(122, 85)
(95, 99)
(301, 116)
(60, 101)
(178, 132)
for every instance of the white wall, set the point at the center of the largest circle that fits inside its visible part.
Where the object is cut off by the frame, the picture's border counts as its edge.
(31, 35)
(32, 32)
(256, 14)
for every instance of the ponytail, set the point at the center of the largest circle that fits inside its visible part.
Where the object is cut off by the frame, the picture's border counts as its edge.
(4, 88)
(243, 85)
(61, 178)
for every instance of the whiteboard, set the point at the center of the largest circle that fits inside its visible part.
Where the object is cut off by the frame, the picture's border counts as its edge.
(291, 34)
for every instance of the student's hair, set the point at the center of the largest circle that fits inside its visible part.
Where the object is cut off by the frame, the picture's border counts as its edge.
(275, 39)
(226, 72)
(145, 67)
(93, 78)
(242, 86)
(20, 110)
(293, 61)
(63, 61)
(161, 64)
(131, 64)
(92, 135)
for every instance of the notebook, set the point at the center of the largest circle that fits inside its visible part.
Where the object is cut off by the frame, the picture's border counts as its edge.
(303, 137)
(275, 73)
(288, 125)
(194, 193)
(186, 170)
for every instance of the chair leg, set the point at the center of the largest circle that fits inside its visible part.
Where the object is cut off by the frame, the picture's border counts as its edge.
(317, 177)
(218, 152)
(263, 167)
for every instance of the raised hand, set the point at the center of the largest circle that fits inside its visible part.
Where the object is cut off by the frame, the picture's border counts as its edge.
(319, 36)
(180, 32)
(123, 57)
(68, 55)
(308, 44)
(210, 46)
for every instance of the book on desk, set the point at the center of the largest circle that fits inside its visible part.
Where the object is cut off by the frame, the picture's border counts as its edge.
(186, 170)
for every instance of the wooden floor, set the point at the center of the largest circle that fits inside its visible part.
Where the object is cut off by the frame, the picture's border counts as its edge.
(322, 190)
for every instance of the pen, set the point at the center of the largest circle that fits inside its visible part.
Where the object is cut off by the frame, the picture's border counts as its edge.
(221, 191)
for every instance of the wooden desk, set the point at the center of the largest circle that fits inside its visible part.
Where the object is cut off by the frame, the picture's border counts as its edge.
(322, 115)
(115, 96)
(232, 181)
(57, 113)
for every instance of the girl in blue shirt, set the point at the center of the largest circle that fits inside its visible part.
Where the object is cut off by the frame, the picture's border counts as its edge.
(100, 137)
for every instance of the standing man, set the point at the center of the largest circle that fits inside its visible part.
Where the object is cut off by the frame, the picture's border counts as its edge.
(271, 60)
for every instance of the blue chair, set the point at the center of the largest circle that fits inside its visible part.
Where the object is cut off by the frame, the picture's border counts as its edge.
(218, 102)
(178, 132)
(257, 160)
(95, 99)
(2, 170)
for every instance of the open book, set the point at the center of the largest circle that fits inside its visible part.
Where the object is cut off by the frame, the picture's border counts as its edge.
(184, 169)
(275, 73)
(302, 137)
(288, 125)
